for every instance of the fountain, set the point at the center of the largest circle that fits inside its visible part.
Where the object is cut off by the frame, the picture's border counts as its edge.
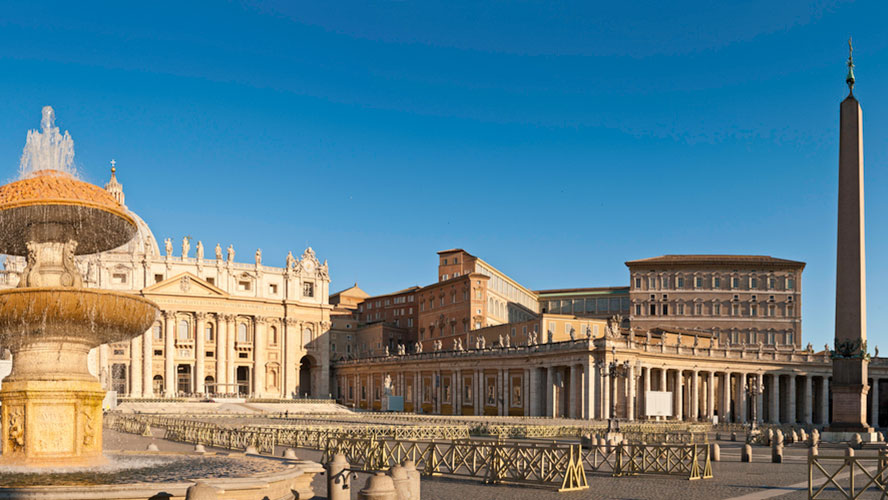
(51, 404)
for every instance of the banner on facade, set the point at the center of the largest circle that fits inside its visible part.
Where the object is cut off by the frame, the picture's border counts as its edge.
(658, 404)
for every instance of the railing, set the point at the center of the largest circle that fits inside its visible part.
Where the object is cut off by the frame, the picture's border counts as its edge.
(471, 457)
(492, 461)
(834, 470)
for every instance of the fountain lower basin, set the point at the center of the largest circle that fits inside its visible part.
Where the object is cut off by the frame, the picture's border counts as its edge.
(52, 405)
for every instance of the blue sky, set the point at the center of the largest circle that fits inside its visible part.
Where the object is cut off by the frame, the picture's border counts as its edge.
(554, 139)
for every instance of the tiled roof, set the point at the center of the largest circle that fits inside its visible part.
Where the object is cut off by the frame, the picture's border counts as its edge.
(716, 259)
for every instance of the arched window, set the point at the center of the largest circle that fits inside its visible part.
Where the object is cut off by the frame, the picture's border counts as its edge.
(158, 332)
(273, 335)
(242, 332)
(184, 332)
(306, 336)
(208, 332)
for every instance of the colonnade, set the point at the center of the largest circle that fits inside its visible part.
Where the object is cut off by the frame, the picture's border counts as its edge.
(586, 389)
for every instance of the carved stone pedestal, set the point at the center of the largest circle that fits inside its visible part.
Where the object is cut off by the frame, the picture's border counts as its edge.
(52, 423)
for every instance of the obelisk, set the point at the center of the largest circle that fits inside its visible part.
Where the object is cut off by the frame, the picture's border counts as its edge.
(850, 359)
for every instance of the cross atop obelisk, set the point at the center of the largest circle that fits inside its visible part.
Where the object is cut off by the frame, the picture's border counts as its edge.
(850, 359)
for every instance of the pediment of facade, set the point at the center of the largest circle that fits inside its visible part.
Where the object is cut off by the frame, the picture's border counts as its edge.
(185, 284)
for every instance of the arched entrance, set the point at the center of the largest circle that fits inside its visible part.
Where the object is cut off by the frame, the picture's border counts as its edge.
(306, 389)
(118, 378)
(158, 385)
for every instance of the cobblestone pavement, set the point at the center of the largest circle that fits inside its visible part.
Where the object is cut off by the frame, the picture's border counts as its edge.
(732, 479)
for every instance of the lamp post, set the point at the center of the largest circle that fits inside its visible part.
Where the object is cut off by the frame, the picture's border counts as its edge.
(611, 371)
(753, 390)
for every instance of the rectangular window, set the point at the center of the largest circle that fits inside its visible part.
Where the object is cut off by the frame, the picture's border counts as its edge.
(209, 354)
(158, 278)
(753, 310)
(679, 282)
(308, 289)
(638, 309)
(211, 280)
(681, 309)
(716, 282)
(753, 283)
(273, 289)
(637, 282)
(790, 285)
(118, 278)
(665, 309)
(716, 309)
(698, 282)
(735, 282)
(243, 286)
(653, 309)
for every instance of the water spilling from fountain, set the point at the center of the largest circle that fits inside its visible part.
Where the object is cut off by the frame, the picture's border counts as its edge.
(51, 404)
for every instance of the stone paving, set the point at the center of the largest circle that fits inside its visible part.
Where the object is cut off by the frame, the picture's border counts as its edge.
(732, 479)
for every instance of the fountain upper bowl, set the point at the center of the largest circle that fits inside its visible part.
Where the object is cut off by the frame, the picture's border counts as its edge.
(54, 206)
(82, 315)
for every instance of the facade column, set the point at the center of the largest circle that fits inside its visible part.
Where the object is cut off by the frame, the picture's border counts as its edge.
(824, 401)
(663, 379)
(550, 391)
(572, 394)
(679, 395)
(169, 355)
(135, 376)
(221, 354)
(742, 397)
(774, 400)
(874, 407)
(725, 413)
(260, 351)
(231, 356)
(759, 398)
(148, 363)
(200, 353)
(292, 342)
(502, 392)
(695, 396)
(630, 399)
(807, 390)
(791, 401)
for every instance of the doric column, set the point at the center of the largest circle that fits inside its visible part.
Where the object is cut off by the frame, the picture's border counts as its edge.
(148, 363)
(710, 396)
(200, 353)
(572, 395)
(528, 409)
(759, 398)
(606, 394)
(774, 400)
(533, 398)
(824, 401)
(741, 397)
(679, 395)
(630, 401)
(135, 375)
(221, 353)
(456, 388)
(550, 391)
(695, 395)
(169, 354)
(874, 406)
(807, 391)
(589, 381)
(260, 348)
(791, 401)
(725, 414)
(645, 389)
(662, 379)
